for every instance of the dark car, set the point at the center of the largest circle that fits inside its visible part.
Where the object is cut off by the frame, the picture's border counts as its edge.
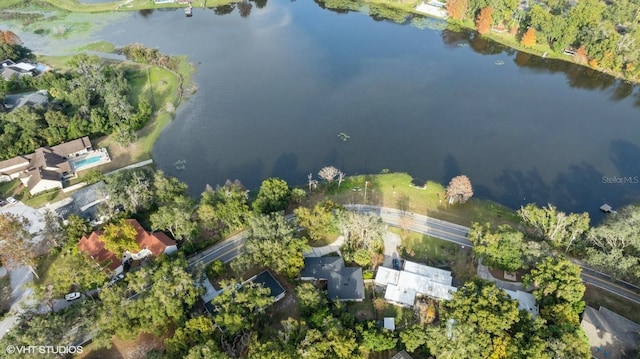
(396, 264)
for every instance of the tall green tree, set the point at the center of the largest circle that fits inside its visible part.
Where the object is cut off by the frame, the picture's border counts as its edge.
(503, 249)
(119, 237)
(272, 243)
(477, 323)
(274, 196)
(556, 227)
(155, 297)
(175, 217)
(16, 246)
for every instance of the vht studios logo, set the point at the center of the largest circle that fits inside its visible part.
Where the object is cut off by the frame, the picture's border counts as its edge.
(621, 180)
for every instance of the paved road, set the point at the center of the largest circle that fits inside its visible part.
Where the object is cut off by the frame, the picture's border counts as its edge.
(230, 248)
(226, 250)
(458, 234)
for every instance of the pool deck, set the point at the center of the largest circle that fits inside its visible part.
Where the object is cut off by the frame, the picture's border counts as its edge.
(102, 153)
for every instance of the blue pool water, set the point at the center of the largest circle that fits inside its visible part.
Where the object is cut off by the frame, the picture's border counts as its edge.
(85, 162)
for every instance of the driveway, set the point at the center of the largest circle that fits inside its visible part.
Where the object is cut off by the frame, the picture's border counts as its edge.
(323, 251)
(391, 243)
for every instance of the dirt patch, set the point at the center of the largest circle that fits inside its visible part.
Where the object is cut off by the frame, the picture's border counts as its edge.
(135, 349)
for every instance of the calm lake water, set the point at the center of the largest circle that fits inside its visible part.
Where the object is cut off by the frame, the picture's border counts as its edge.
(276, 88)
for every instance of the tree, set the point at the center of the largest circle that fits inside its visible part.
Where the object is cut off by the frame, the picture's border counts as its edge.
(319, 221)
(225, 208)
(503, 249)
(312, 183)
(478, 322)
(273, 196)
(310, 298)
(157, 296)
(119, 237)
(557, 281)
(75, 228)
(272, 243)
(555, 227)
(16, 246)
(52, 232)
(457, 9)
(459, 189)
(131, 189)
(362, 257)
(374, 340)
(167, 189)
(484, 21)
(175, 217)
(75, 270)
(328, 173)
(196, 331)
(529, 38)
(239, 307)
(362, 231)
(413, 337)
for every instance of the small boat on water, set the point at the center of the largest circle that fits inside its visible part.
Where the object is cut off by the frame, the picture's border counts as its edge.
(188, 10)
(343, 136)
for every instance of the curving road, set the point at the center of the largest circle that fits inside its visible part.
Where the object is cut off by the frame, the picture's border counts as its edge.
(231, 247)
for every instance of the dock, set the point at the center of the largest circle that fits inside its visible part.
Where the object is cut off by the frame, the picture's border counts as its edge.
(606, 208)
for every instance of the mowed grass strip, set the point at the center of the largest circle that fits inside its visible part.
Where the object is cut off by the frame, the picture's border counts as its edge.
(395, 190)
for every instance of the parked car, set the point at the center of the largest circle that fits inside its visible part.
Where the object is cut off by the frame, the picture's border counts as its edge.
(12, 200)
(72, 296)
(116, 279)
(396, 264)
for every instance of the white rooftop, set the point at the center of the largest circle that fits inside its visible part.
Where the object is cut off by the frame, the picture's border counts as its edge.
(24, 66)
(435, 274)
(390, 323)
(385, 276)
(526, 301)
(403, 286)
(406, 296)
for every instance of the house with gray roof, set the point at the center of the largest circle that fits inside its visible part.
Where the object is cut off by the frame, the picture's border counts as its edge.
(610, 335)
(31, 99)
(47, 167)
(343, 283)
(402, 355)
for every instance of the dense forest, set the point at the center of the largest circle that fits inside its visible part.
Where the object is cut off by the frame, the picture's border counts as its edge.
(92, 99)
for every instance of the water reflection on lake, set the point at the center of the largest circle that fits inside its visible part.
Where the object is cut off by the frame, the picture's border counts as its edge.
(278, 82)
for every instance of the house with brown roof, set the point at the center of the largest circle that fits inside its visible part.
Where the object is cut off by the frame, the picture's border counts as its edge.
(610, 335)
(150, 243)
(47, 167)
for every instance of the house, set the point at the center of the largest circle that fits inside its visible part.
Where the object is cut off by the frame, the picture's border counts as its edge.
(265, 278)
(402, 286)
(402, 355)
(10, 69)
(47, 167)
(343, 283)
(151, 244)
(31, 99)
(610, 335)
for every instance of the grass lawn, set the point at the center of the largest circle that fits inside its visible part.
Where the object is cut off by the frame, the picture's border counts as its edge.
(596, 297)
(437, 252)
(75, 6)
(18, 191)
(395, 190)
(363, 310)
(427, 249)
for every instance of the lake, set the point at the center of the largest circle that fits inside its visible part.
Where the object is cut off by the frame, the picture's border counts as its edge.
(276, 87)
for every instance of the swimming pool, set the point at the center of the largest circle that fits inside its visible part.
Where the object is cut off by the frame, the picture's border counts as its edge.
(86, 162)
